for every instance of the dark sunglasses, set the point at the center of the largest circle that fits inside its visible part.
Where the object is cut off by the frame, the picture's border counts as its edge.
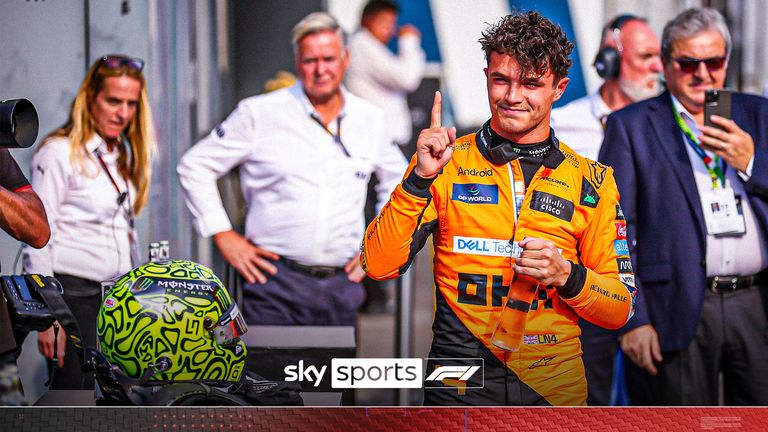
(690, 65)
(114, 62)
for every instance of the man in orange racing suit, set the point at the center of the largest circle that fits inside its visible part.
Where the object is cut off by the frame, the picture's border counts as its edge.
(510, 204)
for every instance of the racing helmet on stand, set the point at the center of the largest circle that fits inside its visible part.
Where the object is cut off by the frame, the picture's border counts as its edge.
(172, 321)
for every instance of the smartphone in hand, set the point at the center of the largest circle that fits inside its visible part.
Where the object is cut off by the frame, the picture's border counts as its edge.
(716, 102)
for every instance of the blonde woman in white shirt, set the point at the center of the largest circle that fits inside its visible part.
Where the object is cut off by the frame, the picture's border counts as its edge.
(93, 177)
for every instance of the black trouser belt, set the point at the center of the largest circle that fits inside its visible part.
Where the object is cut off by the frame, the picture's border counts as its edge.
(721, 284)
(315, 271)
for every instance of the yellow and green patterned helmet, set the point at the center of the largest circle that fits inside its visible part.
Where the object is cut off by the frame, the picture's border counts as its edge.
(172, 321)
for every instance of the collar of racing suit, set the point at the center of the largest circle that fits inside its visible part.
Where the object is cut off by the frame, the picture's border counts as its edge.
(500, 151)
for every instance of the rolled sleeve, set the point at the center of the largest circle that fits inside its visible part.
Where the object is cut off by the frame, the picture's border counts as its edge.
(227, 146)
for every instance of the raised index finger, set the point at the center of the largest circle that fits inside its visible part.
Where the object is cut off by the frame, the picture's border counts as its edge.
(437, 110)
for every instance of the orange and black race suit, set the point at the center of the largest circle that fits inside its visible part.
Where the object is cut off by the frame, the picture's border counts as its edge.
(469, 209)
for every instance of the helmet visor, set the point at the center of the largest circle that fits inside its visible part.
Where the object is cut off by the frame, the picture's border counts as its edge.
(230, 327)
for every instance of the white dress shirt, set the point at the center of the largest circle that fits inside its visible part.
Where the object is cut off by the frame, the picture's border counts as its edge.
(579, 124)
(89, 229)
(384, 79)
(305, 197)
(744, 255)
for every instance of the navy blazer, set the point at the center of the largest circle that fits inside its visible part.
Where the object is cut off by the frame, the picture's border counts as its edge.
(665, 223)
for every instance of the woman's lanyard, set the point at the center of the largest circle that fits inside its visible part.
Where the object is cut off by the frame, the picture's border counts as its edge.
(713, 167)
(336, 136)
(121, 198)
(121, 195)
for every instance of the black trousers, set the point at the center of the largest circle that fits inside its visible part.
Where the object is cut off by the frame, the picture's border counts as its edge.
(732, 339)
(294, 298)
(83, 297)
(599, 347)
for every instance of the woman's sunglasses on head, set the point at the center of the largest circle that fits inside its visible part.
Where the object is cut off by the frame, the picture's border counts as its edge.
(115, 62)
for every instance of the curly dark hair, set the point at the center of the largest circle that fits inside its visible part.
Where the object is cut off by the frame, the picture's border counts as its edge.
(536, 43)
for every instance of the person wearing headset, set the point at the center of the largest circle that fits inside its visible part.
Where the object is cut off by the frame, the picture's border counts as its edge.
(93, 176)
(629, 61)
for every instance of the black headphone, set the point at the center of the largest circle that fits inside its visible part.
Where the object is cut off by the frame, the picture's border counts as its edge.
(608, 59)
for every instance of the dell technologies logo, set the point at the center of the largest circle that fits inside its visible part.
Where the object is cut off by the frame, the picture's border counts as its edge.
(485, 246)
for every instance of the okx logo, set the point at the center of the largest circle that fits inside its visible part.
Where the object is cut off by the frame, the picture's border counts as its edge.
(461, 373)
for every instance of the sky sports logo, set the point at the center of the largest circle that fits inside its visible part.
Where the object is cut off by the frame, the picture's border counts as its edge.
(351, 373)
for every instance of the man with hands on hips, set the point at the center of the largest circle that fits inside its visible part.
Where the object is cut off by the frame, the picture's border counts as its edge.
(510, 204)
(306, 154)
(696, 204)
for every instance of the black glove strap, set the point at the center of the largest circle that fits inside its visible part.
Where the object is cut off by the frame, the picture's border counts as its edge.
(51, 294)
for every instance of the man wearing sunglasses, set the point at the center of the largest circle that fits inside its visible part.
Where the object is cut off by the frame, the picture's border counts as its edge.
(695, 199)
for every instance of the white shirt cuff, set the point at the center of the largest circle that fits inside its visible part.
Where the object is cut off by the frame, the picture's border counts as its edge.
(409, 41)
(746, 175)
(213, 223)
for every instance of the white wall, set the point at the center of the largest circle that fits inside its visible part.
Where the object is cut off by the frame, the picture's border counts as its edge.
(755, 47)
(347, 12)
(43, 59)
(458, 24)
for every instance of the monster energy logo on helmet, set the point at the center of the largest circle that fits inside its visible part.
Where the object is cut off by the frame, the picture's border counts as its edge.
(172, 321)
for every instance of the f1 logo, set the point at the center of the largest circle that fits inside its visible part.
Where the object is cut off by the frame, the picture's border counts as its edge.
(461, 373)
(455, 373)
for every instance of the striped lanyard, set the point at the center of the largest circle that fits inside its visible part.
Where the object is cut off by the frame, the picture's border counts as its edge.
(121, 195)
(336, 136)
(518, 191)
(713, 166)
